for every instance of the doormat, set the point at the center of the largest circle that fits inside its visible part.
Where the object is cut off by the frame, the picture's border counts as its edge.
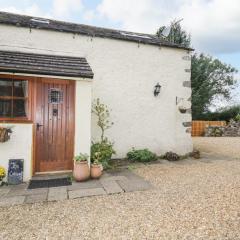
(58, 182)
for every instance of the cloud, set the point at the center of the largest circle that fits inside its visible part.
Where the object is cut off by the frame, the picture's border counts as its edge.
(214, 24)
(135, 15)
(89, 15)
(59, 9)
(32, 10)
(64, 8)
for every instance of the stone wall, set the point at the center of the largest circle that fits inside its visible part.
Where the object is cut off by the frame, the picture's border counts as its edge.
(231, 130)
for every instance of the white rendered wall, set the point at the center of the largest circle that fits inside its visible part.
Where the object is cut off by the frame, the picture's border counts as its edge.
(83, 117)
(18, 147)
(125, 74)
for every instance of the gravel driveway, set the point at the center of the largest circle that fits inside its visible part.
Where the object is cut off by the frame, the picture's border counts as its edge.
(218, 146)
(192, 199)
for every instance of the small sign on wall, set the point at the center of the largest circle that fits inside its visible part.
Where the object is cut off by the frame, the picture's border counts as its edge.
(15, 171)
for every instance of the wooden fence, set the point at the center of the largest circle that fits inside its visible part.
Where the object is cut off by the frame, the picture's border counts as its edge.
(198, 127)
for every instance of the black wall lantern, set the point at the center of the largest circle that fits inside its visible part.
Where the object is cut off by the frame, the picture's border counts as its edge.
(157, 89)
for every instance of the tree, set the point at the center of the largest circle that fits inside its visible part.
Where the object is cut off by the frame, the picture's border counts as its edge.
(210, 79)
(103, 115)
(223, 114)
(102, 150)
(176, 35)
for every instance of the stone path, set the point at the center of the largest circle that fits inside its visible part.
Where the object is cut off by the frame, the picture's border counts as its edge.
(114, 182)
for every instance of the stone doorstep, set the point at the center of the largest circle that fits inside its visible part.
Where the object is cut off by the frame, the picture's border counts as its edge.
(86, 193)
(51, 176)
(9, 201)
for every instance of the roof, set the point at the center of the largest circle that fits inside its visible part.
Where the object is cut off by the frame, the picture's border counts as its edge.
(53, 65)
(48, 24)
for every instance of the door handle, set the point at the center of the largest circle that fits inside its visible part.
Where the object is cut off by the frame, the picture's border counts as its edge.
(38, 126)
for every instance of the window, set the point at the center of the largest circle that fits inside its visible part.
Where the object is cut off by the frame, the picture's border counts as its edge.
(14, 98)
(55, 96)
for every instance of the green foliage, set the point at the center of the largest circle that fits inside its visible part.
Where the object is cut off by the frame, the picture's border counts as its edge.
(103, 115)
(223, 114)
(131, 167)
(237, 118)
(81, 157)
(177, 34)
(101, 152)
(141, 155)
(70, 178)
(210, 79)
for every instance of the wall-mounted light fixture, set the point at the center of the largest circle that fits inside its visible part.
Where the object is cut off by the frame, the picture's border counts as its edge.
(157, 89)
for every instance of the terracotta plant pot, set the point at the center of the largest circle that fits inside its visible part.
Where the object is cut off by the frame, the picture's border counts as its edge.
(96, 170)
(81, 171)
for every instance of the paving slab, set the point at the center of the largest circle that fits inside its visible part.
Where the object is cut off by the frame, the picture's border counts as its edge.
(135, 185)
(111, 187)
(84, 185)
(115, 178)
(25, 192)
(16, 192)
(112, 182)
(4, 191)
(86, 193)
(8, 201)
(36, 198)
(18, 186)
(57, 194)
(36, 191)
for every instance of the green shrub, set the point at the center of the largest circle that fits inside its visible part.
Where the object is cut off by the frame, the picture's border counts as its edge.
(81, 157)
(237, 118)
(141, 155)
(102, 152)
(223, 114)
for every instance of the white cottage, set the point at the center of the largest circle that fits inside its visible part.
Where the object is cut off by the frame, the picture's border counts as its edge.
(50, 73)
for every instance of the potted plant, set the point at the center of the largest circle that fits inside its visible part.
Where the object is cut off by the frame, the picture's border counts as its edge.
(96, 166)
(81, 171)
(2, 175)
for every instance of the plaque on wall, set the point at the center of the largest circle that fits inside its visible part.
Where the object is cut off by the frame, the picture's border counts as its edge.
(15, 171)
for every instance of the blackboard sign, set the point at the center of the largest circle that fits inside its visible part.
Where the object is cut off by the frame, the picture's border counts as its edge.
(15, 171)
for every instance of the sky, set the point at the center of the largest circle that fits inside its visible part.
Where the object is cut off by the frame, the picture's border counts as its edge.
(213, 24)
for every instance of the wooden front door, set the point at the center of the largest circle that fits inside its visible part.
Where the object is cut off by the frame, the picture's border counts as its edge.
(54, 123)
